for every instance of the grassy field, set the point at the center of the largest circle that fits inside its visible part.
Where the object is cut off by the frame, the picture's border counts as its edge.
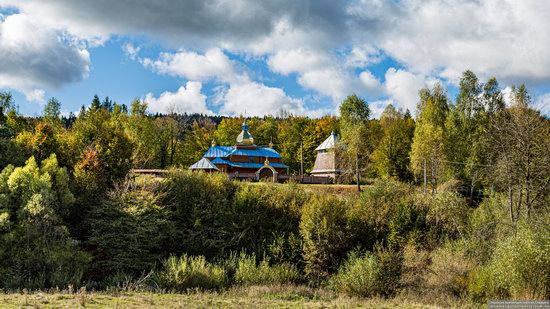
(249, 297)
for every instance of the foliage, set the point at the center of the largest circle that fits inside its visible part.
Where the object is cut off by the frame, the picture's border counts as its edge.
(323, 227)
(448, 214)
(36, 249)
(127, 233)
(356, 133)
(102, 149)
(249, 272)
(191, 272)
(429, 135)
(200, 209)
(386, 212)
(52, 110)
(521, 265)
(370, 274)
(391, 156)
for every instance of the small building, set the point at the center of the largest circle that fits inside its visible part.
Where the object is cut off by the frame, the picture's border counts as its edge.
(245, 160)
(326, 163)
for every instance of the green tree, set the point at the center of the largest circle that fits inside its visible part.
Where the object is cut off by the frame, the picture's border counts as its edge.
(429, 134)
(138, 108)
(197, 141)
(96, 103)
(227, 131)
(100, 139)
(291, 135)
(354, 127)
(52, 110)
(391, 156)
(37, 251)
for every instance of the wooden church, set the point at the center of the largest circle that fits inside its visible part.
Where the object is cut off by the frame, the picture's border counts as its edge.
(244, 160)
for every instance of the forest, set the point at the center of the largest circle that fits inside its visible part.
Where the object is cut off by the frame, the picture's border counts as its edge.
(454, 207)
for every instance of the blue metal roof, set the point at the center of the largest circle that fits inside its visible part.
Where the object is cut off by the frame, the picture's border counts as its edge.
(226, 151)
(246, 164)
(220, 161)
(258, 152)
(218, 152)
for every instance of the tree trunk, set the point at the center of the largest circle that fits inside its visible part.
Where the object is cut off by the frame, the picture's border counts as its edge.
(357, 170)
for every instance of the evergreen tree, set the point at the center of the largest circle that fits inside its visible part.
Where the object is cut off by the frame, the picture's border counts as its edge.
(96, 103)
(52, 110)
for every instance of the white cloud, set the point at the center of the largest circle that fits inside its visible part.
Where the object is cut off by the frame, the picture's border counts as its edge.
(214, 64)
(36, 95)
(34, 57)
(377, 107)
(362, 56)
(255, 99)
(298, 60)
(325, 43)
(403, 86)
(131, 51)
(371, 83)
(188, 99)
(507, 96)
(503, 38)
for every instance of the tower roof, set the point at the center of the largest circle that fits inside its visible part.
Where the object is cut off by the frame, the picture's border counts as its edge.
(329, 143)
(245, 138)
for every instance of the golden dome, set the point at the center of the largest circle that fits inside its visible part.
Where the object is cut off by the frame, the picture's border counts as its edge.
(245, 138)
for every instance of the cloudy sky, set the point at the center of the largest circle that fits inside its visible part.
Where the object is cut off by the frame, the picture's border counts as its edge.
(231, 56)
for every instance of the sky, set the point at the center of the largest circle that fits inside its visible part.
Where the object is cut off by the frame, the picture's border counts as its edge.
(254, 58)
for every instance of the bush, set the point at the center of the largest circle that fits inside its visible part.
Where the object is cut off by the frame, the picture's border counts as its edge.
(36, 249)
(521, 264)
(386, 213)
(487, 224)
(440, 276)
(128, 233)
(272, 210)
(447, 276)
(250, 273)
(200, 207)
(448, 215)
(323, 227)
(191, 272)
(371, 274)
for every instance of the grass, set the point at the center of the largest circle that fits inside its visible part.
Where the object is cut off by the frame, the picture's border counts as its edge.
(276, 296)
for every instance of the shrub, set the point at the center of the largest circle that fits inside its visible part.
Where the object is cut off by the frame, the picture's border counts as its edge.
(447, 275)
(191, 272)
(371, 274)
(272, 210)
(200, 207)
(487, 224)
(286, 249)
(521, 263)
(323, 227)
(128, 232)
(250, 273)
(448, 215)
(386, 213)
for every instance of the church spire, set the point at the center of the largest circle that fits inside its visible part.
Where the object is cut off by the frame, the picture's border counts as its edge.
(245, 138)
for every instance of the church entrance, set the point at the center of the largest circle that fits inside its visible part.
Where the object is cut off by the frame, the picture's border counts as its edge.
(267, 173)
